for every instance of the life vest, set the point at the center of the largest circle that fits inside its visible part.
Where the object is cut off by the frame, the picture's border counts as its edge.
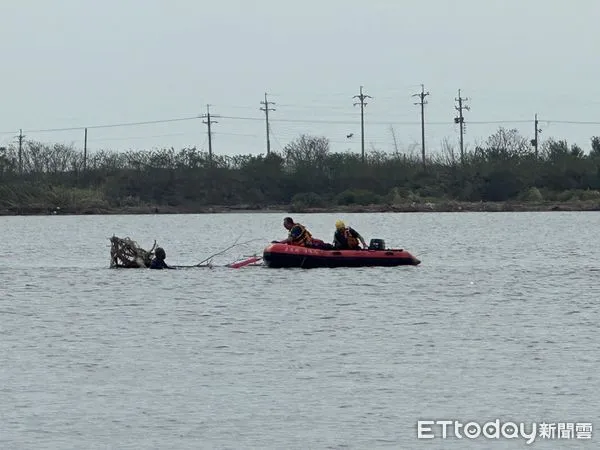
(305, 237)
(351, 241)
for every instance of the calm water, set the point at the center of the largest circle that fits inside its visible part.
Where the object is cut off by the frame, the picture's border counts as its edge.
(499, 322)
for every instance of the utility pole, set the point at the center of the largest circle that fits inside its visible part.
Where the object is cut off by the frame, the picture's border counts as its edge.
(21, 137)
(535, 140)
(361, 97)
(208, 122)
(422, 102)
(266, 109)
(461, 121)
(85, 151)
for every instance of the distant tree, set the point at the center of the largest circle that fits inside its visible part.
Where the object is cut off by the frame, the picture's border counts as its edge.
(576, 151)
(507, 143)
(595, 146)
(307, 150)
(554, 149)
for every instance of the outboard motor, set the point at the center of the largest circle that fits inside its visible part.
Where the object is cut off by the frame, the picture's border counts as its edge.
(377, 244)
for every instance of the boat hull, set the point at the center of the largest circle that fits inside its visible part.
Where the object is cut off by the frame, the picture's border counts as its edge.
(287, 256)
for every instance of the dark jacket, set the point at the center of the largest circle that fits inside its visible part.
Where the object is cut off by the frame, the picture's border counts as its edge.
(159, 264)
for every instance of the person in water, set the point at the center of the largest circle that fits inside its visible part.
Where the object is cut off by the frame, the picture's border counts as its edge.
(347, 238)
(159, 260)
(299, 235)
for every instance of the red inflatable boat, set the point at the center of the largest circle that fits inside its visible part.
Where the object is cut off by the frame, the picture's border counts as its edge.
(279, 255)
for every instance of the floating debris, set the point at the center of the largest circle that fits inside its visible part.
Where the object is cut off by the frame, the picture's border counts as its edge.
(126, 253)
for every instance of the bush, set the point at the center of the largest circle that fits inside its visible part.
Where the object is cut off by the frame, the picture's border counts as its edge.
(431, 192)
(532, 195)
(400, 195)
(578, 195)
(307, 200)
(589, 194)
(357, 197)
(76, 198)
(567, 196)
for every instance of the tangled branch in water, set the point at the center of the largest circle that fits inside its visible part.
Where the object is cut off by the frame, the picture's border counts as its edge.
(126, 253)
(235, 244)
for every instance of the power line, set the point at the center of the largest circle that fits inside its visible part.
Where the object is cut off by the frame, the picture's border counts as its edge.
(576, 122)
(266, 109)
(311, 121)
(376, 122)
(209, 122)
(314, 106)
(461, 121)
(220, 133)
(300, 121)
(361, 97)
(112, 125)
(277, 141)
(129, 138)
(422, 102)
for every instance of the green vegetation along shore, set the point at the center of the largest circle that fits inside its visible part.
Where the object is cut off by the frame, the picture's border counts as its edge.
(506, 174)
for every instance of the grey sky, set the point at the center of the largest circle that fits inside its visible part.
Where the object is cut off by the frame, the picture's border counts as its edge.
(82, 63)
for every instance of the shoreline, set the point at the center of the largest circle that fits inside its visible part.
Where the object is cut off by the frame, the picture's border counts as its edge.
(407, 207)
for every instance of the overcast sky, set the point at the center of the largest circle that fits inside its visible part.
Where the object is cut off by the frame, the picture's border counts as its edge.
(78, 63)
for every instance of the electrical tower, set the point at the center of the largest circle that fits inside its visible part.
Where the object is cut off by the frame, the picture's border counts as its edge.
(85, 151)
(20, 138)
(535, 140)
(361, 97)
(422, 102)
(209, 122)
(461, 121)
(266, 109)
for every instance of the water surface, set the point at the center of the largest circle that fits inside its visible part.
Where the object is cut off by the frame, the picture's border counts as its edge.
(499, 321)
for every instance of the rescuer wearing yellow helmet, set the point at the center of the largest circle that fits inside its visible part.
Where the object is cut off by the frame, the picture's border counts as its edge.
(347, 238)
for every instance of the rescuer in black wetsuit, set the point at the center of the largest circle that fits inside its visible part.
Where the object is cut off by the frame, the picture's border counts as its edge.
(159, 260)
